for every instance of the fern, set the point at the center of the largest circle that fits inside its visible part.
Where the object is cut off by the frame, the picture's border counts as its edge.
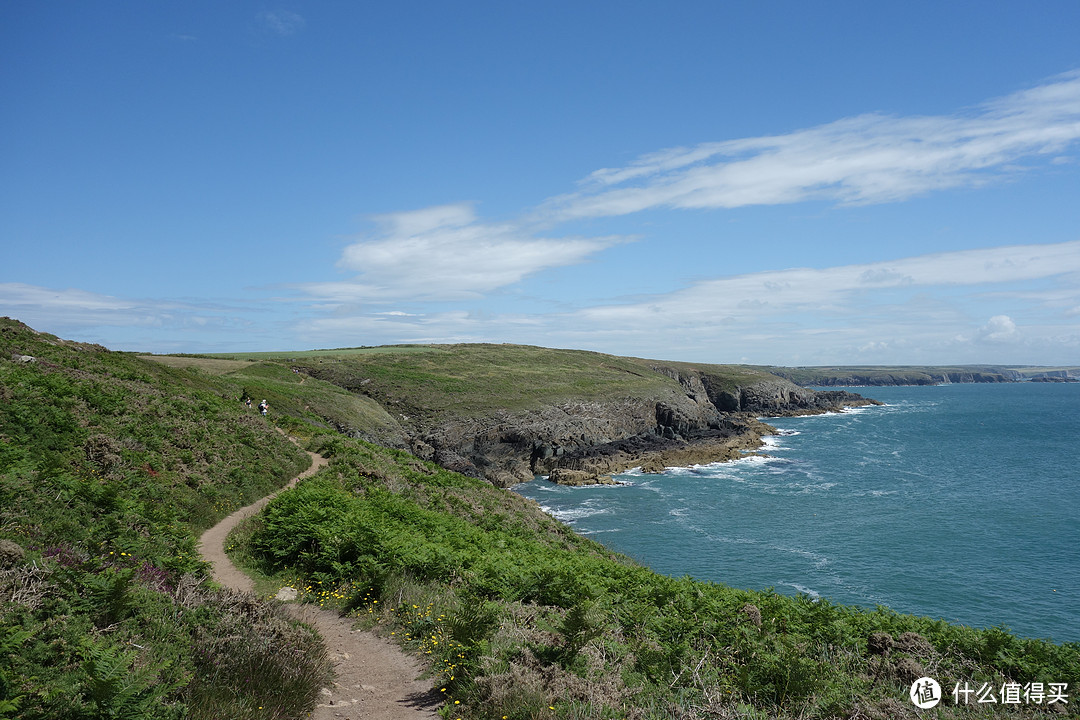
(11, 639)
(116, 687)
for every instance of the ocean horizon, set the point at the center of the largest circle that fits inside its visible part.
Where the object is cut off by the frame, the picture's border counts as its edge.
(953, 501)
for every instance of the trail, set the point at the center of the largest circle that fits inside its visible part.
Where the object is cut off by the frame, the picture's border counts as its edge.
(374, 680)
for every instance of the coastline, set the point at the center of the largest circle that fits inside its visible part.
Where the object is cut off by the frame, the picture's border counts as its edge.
(850, 506)
(743, 438)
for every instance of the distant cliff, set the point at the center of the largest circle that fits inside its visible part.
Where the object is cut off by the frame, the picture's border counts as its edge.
(878, 376)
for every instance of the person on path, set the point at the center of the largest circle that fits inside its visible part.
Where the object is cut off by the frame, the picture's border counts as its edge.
(263, 407)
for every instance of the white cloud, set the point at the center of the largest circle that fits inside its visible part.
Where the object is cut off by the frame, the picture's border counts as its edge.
(913, 310)
(445, 253)
(866, 159)
(830, 289)
(999, 328)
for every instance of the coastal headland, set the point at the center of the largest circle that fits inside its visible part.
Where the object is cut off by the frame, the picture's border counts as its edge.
(507, 413)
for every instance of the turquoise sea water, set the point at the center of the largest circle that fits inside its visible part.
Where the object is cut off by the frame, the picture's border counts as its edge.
(956, 501)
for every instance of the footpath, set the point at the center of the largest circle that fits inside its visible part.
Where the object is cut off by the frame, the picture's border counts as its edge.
(374, 679)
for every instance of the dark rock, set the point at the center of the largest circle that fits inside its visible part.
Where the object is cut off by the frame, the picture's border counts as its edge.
(562, 476)
(695, 420)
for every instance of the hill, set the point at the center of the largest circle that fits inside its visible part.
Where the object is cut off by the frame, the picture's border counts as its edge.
(109, 468)
(506, 413)
(111, 464)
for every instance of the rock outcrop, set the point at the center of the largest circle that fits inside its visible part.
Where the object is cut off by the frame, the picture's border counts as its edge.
(698, 421)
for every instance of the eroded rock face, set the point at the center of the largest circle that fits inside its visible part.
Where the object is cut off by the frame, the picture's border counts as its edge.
(586, 442)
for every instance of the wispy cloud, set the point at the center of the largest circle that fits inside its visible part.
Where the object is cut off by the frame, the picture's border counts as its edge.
(446, 253)
(831, 289)
(866, 159)
(422, 275)
(280, 22)
(74, 310)
(933, 308)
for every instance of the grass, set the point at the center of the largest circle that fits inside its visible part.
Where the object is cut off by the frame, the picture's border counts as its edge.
(111, 465)
(907, 375)
(214, 366)
(521, 618)
(288, 355)
(479, 380)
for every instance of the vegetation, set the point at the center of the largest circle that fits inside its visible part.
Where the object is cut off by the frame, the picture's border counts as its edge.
(112, 464)
(521, 618)
(110, 467)
(427, 386)
(913, 375)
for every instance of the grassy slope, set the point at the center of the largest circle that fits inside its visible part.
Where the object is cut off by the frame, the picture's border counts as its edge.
(523, 619)
(432, 382)
(109, 467)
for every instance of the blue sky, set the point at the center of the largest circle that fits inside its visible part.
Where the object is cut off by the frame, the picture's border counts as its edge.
(783, 183)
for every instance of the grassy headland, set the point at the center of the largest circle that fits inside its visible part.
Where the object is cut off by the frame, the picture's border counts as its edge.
(918, 375)
(111, 464)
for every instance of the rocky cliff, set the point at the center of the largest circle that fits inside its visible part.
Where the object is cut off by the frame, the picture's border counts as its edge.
(877, 376)
(699, 418)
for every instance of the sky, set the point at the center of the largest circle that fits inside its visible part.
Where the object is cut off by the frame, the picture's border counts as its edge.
(774, 182)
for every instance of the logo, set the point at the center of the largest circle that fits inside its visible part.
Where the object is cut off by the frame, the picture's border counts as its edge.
(925, 693)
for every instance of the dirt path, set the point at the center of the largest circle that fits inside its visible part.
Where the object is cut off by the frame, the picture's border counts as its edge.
(375, 679)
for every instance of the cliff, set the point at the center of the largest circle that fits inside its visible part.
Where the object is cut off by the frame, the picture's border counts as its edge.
(508, 413)
(880, 376)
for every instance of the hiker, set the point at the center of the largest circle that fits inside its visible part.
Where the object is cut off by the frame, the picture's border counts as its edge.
(263, 407)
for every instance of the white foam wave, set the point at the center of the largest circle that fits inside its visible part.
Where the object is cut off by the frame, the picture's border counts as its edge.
(804, 590)
(568, 515)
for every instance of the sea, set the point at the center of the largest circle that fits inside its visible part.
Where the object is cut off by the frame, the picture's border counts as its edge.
(959, 502)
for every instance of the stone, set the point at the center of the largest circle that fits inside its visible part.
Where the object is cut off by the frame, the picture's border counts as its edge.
(286, 594)
(11, 553)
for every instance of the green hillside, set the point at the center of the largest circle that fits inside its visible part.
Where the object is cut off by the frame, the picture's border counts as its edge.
(474, 379)
(112, 463)
(109, 467)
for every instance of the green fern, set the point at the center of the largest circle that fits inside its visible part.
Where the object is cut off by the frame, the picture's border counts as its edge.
(11, 639)
(116, 687)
